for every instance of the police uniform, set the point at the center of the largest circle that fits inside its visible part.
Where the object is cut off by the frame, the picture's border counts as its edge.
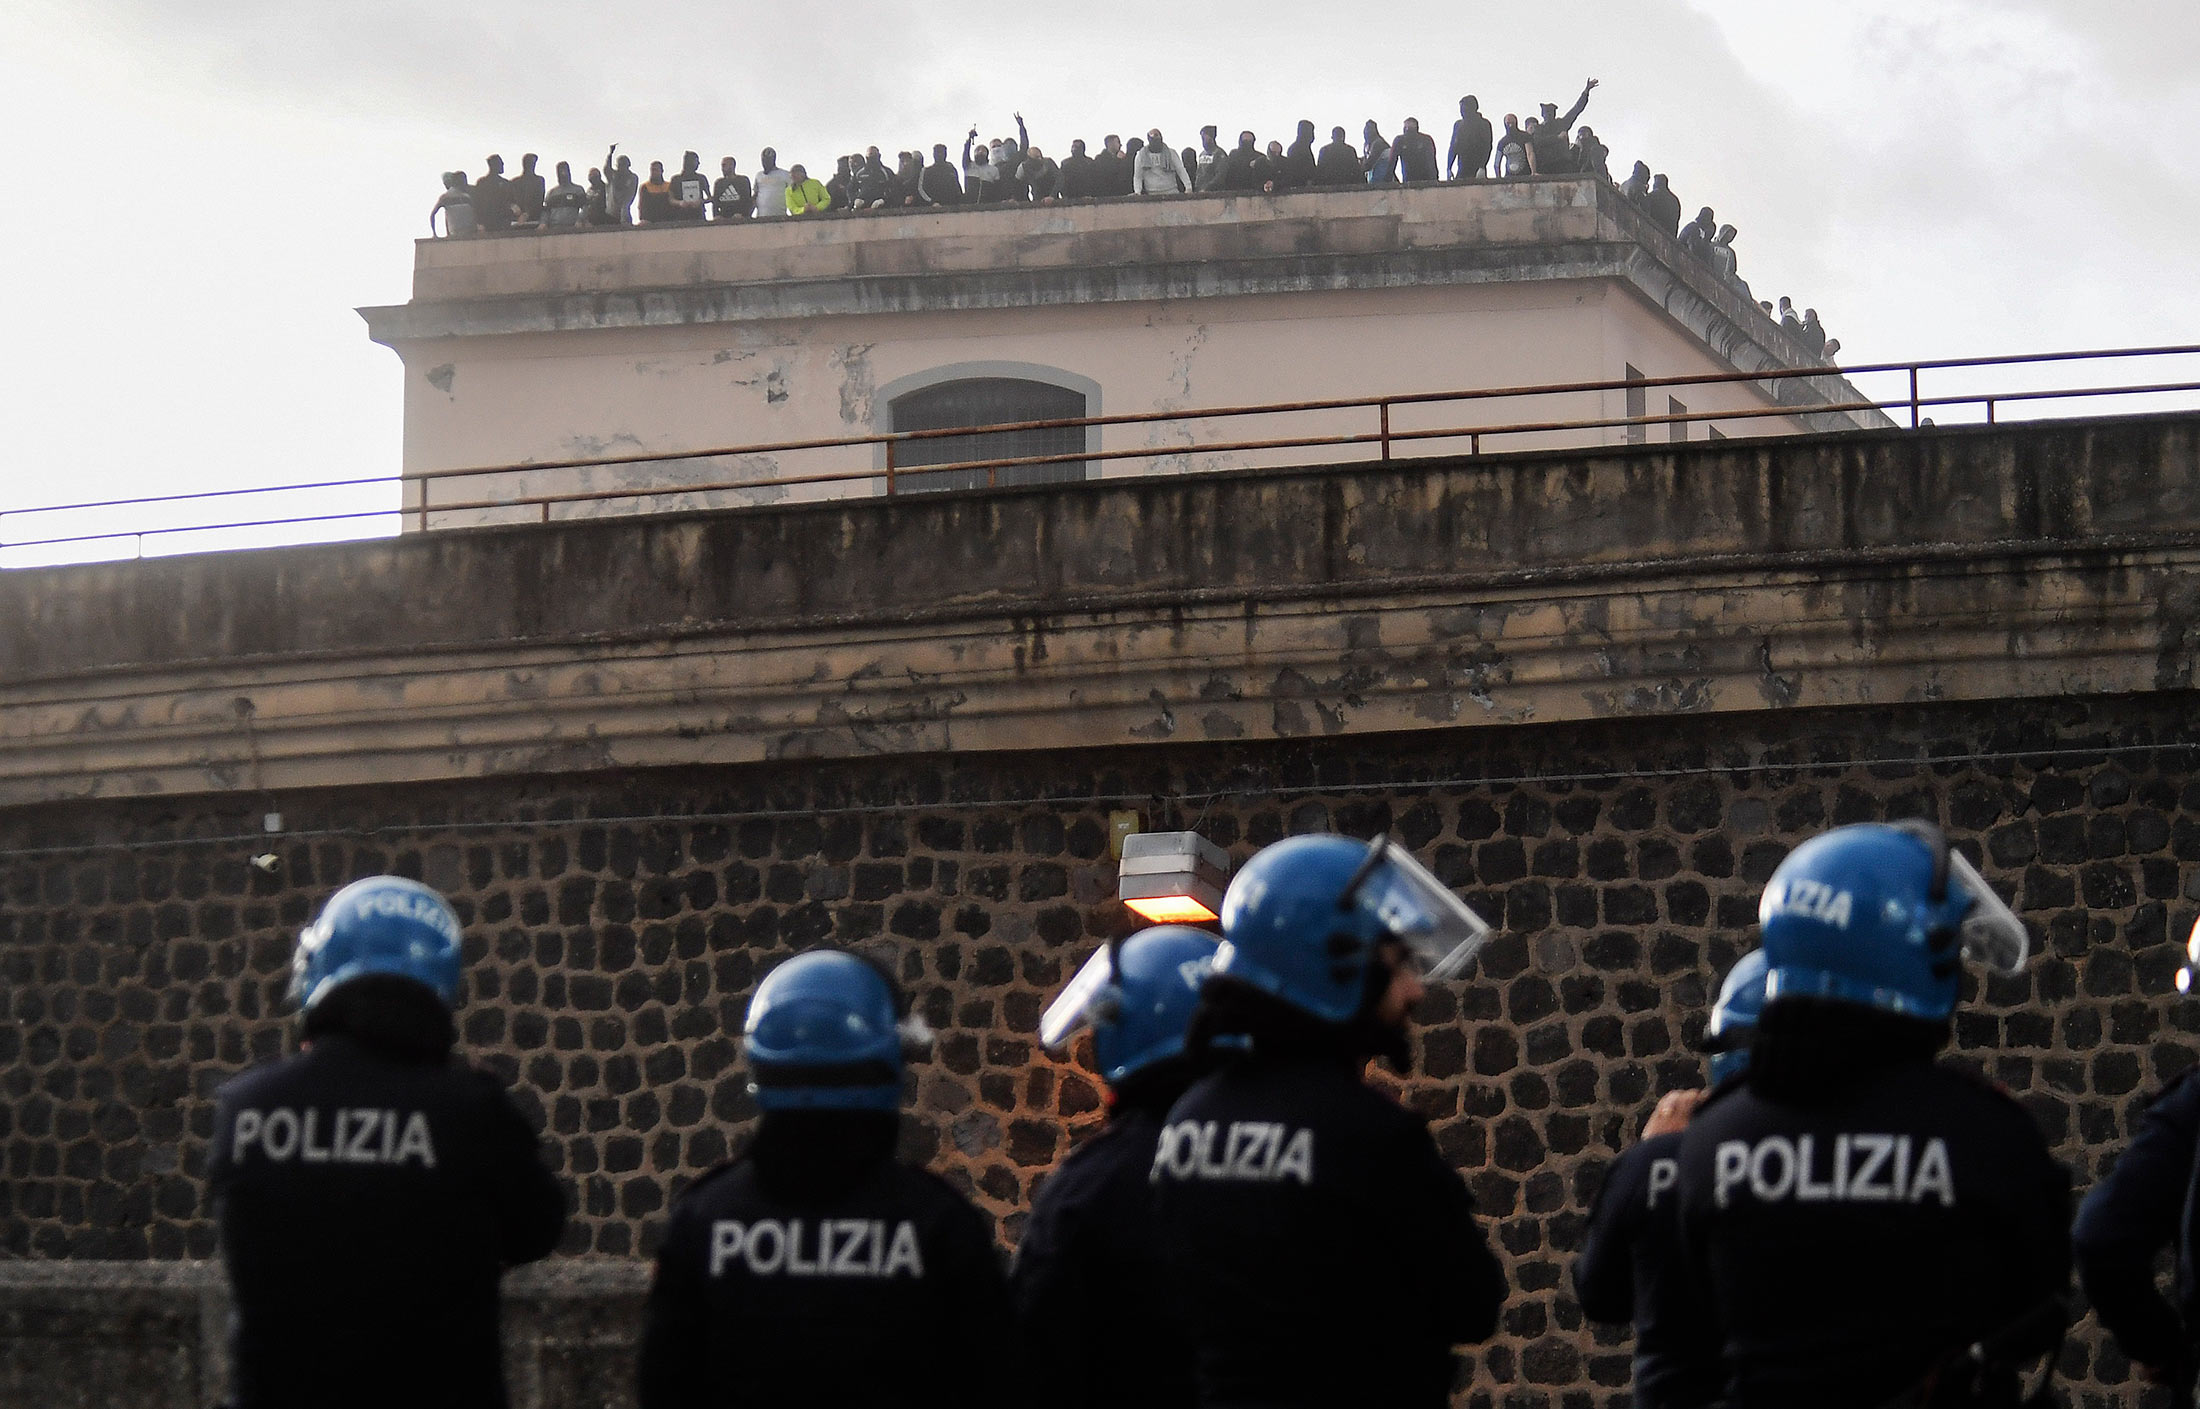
(1628, 1271)
(1089, 1257)
(368, 1207)
(1322, 1252)
(1850, 1243)
(888, 1293)
(2144, 1205)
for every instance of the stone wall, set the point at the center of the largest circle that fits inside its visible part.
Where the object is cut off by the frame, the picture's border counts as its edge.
(618, 923)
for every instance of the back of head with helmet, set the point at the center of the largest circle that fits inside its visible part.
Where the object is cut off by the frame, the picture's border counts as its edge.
(382, 925)
(824, 1032)
(1734, 1017)
(1137, 996)
(1882, 916)
(1303, 920)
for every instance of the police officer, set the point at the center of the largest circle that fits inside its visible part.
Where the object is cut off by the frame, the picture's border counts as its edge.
(1628, 1267)
(1089, 1255)
(2144, 1205)
(1867, 1225)
(815, 1269)
(1322, 1251)
(370, 1191)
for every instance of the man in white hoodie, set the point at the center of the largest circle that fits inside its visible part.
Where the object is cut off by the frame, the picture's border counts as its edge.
(1159, 170)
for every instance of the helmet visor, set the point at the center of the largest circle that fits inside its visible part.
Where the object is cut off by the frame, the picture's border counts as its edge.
(1087, 999)
(1992, 934)
(1416, 909)
(1725, 1034)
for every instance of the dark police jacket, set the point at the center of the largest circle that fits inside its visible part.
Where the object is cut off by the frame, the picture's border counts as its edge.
(1849, 1243)
(1090, 1259)
(886, 1294)
(2144, 1205)
(368, 1207)
(1629, 1270)
(1323, 1252)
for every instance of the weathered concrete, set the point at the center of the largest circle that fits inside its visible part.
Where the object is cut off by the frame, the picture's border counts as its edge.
(154, 1335)
(2026, 561)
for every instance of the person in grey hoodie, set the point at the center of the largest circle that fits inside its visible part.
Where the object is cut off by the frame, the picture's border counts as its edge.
(1159, 171)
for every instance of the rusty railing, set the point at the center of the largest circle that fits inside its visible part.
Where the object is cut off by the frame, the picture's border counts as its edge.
(1825, 392)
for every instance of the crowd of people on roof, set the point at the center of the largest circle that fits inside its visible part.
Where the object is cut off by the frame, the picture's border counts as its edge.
(1012, 170)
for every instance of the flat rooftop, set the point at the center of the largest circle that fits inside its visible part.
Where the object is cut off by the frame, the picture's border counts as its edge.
(1106, 250)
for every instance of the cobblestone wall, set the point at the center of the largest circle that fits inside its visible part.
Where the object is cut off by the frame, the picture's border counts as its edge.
(144, 954)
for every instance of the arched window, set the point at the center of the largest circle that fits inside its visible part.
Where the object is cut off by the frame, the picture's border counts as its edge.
(988, 401)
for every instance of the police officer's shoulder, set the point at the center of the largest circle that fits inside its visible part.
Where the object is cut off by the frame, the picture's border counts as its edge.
(933, 1189)
(1990, 1098)
(709, 1182)
(1739, 1081)
(1968, 1078)
(1630, 1166)
(2182, 1094)
(1092, 1160)
(258, 1083)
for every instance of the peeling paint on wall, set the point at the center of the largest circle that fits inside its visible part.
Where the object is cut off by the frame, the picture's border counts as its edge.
(858, 386)
(441, 377)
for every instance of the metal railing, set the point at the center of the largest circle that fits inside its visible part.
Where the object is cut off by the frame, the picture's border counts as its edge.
(1825, 392)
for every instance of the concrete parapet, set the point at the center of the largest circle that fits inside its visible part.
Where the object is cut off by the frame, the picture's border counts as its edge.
(154, 1335)
(2021, 561)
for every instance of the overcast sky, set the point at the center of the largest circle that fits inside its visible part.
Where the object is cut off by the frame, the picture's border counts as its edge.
(205, 191)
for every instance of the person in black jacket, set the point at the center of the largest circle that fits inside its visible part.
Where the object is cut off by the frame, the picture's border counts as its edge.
(940, 185)
(1246, 168)
(1323, 1253)
(1296, 170)
(370, 1192)
(1628, 1268)
(1862, 1223)
(869, 182)
(1089, 1255)
(2144, 1205)
(1111, 170)
(1416, 153)
(815, 1269)
(1079, 179)
(1470, 142)
(1339, 163)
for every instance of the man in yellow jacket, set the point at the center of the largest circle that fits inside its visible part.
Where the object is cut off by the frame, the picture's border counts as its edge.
(805, 196)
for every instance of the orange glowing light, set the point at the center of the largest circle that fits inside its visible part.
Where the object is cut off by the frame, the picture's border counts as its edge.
(1172, 910)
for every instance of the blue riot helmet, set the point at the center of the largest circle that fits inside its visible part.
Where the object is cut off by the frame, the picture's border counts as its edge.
(824, 1032)
(1734, 1017)
(1302, 922)
(1137, 996)
(381, 925)
(1883, 916)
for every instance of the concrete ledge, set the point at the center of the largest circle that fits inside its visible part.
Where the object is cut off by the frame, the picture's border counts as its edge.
(1087, 252)
(2027, 561)
(153, 1335)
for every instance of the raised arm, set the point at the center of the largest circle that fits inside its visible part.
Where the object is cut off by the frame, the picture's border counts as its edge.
(1579, 104)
